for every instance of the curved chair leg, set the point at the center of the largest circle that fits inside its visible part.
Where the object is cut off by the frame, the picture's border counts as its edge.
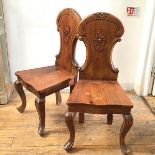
(40, 106)
(19, 89)
(58, 98)
(69, 122)
(127, 124)
(81, 117)
(109, 119)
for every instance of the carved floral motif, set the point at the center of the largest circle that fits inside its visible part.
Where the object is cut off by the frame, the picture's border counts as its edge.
(67, 33)
(99, 40)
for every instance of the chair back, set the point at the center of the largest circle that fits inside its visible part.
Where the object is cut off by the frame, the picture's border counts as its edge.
(99, 32)
(67, 25)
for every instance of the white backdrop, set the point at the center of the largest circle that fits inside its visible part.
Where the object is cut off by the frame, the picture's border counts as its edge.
(33, 40)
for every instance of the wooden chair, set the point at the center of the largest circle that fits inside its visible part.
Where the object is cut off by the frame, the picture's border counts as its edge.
(51, 79)
(97, 91)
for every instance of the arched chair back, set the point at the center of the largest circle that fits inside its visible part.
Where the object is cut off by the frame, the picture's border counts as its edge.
(100, 32)
(67, 25)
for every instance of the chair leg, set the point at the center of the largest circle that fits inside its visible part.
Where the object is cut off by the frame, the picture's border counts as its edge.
(19, 89)
(127, 124)
(69, 122)
(74, 114)
(40, 106)
(71, 88)
(81, 117)
(58, 98)
(109, 119)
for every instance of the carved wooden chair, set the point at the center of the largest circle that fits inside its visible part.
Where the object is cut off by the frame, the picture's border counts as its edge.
(97, 91)
(51, 79)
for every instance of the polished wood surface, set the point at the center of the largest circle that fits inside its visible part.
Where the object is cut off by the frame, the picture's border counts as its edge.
(51, 79)
(41, 81)
(40, 106)
(127, 124)
(19, 136)
(99, 32)
(19, 89)
(67, 25)
(97, 91)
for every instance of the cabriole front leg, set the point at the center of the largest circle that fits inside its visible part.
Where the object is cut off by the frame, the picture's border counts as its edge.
(127, 124)
(40, 106)
(19, 89)
(69, 122)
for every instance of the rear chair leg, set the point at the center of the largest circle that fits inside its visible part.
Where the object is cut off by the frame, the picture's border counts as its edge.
(81, 117)
(69, 122)
(127, 124)
(58, 98)
(40, 106)
(71, 88)
(109, 119)
(19, 89)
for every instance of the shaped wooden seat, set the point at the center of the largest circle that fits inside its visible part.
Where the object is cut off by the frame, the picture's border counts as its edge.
(51, 79)
(97, 91)
(99, 94)
(46, 80)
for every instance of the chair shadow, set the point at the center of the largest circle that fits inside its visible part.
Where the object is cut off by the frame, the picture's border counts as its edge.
(28, 111)
(76, 150)
(47, 133)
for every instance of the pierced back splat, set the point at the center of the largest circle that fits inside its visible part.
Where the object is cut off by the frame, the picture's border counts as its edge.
(100, 32)
(67, 24)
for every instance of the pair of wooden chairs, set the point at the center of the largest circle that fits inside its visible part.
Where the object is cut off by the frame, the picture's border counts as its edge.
(97, 90)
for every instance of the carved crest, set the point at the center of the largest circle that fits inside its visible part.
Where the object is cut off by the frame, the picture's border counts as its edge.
(101, 15)
(99, 40)
(67, 34)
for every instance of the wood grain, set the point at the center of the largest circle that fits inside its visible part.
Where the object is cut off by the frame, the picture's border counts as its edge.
(44, 80)
(67, 24)
(99, 93)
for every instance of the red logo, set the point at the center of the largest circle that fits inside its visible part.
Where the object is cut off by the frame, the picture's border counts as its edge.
(130, 11)
(133, 11)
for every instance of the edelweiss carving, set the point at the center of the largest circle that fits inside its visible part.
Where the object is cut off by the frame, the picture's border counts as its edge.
(99, 41)
(67, 34)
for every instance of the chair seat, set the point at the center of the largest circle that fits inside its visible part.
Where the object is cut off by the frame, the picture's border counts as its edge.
(42, 80)
(99, 93)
